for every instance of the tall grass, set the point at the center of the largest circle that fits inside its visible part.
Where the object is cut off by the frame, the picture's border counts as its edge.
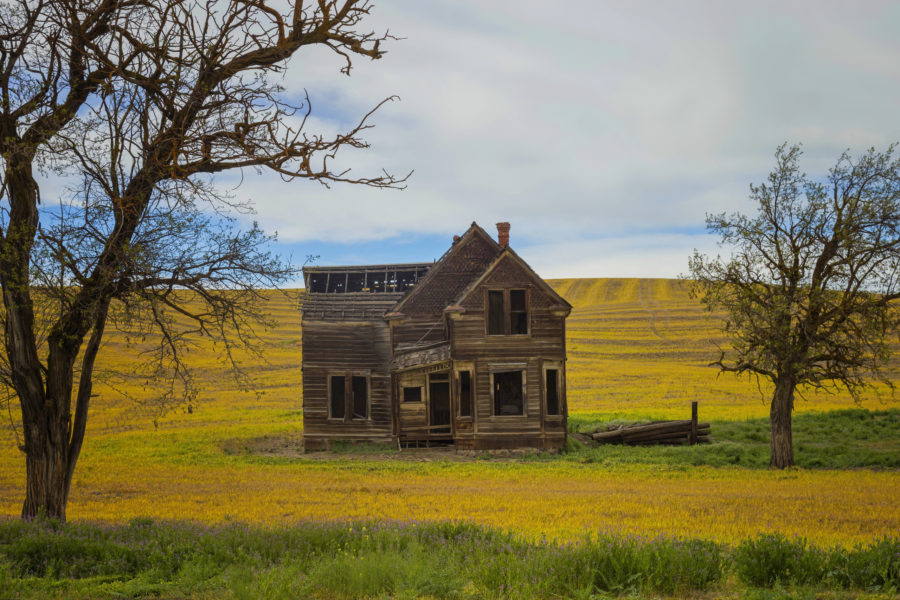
(405, 560)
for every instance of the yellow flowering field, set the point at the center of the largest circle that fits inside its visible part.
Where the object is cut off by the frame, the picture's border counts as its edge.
(637, 348)
(641, 347)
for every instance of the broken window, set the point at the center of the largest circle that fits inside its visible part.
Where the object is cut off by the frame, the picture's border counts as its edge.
(551, 385)
(375, 281)
(507, 312)
(356, 282)
(337, 283)
(465, 393)
(509, 393)
(338, 402)
(359, 400)
(391, 283)
(412, 394)
(348, 393)
(405, 280)
(317, 283)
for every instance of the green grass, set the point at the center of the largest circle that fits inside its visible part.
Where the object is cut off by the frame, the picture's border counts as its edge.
(844, 439)
(146, 559)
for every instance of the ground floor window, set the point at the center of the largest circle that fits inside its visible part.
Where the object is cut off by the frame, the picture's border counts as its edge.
(465, 393)
(412, 394)
(337, 394)
(509, 393)
(551, 387)
(348, 394)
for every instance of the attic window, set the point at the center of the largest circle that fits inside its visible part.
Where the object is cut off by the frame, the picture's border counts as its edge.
(405, 280)
(318, 282)
(356, 282)
(337, 283)
(375, 281)
(507, 312)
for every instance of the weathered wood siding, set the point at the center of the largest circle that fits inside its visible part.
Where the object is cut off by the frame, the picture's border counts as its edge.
(345, 348)
(543, 344)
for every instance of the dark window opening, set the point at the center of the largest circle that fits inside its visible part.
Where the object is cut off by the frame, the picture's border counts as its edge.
(440, 376)
(360, 397)
(317, 283)
(552, 386)
(338, 397)
(509, 397)
(375, 281)
(405, 280)
(337, 283)
(495, 313)
(391, 283)
(356, 282)
(412, 394)
(518, 312)
(465, 394)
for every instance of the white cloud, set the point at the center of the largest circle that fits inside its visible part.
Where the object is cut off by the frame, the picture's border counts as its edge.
(590, 125)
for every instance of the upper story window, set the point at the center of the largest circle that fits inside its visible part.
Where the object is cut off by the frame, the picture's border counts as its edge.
(507, 312)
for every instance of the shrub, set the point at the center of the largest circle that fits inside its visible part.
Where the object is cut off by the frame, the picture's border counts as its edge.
(772, 558)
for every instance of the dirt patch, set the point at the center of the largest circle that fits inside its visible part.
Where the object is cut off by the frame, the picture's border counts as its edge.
(291, 446)
(287, 446)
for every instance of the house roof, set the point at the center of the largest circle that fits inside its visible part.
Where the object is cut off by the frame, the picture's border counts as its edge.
(361, 292)
(461, 264)
(511, 254)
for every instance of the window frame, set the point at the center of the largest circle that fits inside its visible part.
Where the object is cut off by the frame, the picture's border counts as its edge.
(508, 368)
(348, 396)
(403, 389)
(467, 367)
(559, 367)
(507, 311)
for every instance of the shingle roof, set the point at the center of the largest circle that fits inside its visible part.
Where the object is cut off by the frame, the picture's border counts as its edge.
(462, 264)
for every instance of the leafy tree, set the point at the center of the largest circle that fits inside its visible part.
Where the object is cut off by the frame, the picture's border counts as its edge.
(808, 290)
(141, 102)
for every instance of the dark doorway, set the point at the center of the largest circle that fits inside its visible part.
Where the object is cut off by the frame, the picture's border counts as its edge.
(439, 401)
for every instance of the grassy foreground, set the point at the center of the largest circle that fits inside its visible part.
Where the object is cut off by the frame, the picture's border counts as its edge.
(638, 349)
(415, 560)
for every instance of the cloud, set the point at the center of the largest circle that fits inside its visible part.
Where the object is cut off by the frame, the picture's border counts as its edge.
(600, 130)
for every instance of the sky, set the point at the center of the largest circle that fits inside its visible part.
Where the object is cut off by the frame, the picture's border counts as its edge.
(604, 132)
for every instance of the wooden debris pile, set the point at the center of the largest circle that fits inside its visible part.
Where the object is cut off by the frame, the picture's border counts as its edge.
(672, 433)
(660, 432)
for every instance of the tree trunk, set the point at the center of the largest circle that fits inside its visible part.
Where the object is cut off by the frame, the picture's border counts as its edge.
(782, 448)
(46, 469)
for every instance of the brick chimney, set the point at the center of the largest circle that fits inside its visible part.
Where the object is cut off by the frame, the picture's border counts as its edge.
(503, 234)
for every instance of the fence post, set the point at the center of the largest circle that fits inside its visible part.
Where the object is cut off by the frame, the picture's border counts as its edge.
(693, 422)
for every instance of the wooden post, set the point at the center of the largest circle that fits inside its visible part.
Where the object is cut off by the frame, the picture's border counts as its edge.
(693, 422)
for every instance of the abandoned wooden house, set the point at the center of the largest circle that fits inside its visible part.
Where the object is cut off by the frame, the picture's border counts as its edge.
(468, 350)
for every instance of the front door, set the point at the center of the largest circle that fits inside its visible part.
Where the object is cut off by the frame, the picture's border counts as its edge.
(439, 401)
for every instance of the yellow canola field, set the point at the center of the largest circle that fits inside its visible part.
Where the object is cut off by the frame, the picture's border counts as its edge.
(561, 500)
(637, 348)
(642, 348)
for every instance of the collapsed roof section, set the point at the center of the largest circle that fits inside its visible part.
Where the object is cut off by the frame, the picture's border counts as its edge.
(364, 279)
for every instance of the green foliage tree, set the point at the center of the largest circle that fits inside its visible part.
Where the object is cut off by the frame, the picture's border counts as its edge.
(808, 290)
(141, 102)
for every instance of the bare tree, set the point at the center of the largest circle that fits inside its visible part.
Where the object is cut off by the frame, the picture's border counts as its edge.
(808, 291)
(144, 102)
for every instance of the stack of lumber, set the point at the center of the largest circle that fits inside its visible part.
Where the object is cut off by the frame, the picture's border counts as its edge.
(660, 432)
